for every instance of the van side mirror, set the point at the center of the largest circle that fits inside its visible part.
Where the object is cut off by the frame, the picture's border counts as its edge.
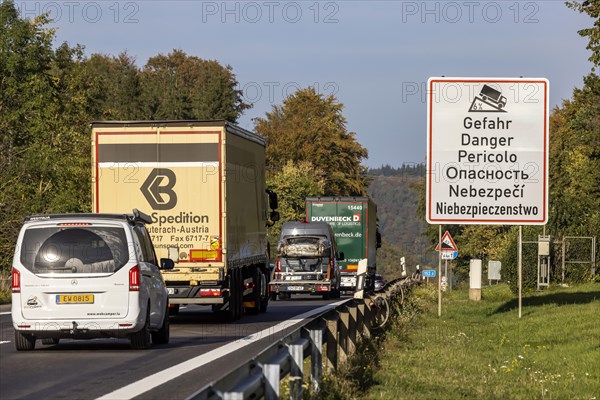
(273, 217)
(341, 256)
(167, 264)
(273, 204)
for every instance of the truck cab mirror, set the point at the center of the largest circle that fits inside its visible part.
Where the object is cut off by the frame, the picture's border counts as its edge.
(274, 216)
(173, 254)
(341, 256)
(167, 264)
(378, 238)
(273, 204)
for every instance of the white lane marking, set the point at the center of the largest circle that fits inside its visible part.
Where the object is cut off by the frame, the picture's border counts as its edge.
(5, 313)
(150, 382)
(4, 342)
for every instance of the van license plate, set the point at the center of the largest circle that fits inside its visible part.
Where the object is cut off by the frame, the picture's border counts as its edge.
(295, 288)
(74, 299)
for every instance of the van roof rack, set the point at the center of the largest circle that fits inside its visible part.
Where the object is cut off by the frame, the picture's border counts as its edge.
(135, 216)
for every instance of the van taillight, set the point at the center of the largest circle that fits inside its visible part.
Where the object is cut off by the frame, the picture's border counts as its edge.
(134, 279)
(16, 281)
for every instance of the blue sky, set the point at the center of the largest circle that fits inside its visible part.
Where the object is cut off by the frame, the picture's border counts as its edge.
(374, 56)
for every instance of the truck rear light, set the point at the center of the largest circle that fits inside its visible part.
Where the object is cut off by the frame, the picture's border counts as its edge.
(134, 279)
(23, 326)
(322, 288)
(210, 292)
(125, 325)
(278, 266)
(16, 281)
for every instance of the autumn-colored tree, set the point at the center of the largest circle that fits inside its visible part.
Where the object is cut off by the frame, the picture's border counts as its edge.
(310, 127)
(117, 87)
(178, 86)
(293, 183)
(591, 8)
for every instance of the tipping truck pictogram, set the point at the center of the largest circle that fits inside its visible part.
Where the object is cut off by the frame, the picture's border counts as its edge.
(488, 100)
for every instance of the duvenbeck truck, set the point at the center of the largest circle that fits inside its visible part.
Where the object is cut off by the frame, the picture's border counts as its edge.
(203, 183)
(354, 222)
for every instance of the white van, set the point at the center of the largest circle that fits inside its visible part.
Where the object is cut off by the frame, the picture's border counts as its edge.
(84, 276)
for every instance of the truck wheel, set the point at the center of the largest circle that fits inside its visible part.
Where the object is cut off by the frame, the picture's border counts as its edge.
(24, 341)
(255, 297)
(273, 296)
(173, 310)
(326, 296)
(236, 298)
(264, 292)
(335, 293)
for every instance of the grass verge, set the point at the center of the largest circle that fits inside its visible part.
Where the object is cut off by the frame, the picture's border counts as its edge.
(5, 297)
(482, 350)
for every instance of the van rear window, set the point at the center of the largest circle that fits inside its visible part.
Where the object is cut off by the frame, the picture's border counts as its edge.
(74, 249)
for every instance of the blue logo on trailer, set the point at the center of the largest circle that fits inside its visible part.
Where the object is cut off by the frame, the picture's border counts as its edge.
(429, 273)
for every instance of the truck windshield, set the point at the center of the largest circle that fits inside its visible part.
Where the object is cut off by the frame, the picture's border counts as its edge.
(74, 250)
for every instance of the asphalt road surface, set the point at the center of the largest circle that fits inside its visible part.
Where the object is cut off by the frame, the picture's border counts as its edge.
(201, 350)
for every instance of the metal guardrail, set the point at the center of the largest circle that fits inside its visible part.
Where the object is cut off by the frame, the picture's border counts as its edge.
(340, 330)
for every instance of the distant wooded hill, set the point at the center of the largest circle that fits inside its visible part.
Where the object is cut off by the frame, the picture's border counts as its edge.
(393, 189)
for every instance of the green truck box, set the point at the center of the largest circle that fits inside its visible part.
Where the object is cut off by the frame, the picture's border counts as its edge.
(354, 222)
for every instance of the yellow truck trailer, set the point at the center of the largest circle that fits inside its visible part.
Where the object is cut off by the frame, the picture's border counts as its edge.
(203, 183)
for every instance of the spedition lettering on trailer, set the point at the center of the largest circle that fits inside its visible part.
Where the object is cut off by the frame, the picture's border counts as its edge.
(480, 209)
(181, 218)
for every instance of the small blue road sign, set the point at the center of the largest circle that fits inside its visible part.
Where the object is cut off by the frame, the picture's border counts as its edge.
(429, 273)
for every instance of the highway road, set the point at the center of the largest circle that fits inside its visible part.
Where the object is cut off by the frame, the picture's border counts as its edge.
(201, 350)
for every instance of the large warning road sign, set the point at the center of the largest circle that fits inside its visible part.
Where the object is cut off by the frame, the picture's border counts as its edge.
(487, 151)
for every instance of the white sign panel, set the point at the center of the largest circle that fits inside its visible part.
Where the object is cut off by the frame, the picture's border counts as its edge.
(487, 151)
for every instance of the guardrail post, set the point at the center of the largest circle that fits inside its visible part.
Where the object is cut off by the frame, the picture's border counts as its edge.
(367, 317)
(316, 357)
(332, 342)
(343, 334)
(352, 311)
(296, 371)
(272, 377)
(360, 317)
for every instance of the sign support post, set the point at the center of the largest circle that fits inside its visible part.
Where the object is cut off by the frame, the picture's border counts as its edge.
(440, 273)
(520, 268)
